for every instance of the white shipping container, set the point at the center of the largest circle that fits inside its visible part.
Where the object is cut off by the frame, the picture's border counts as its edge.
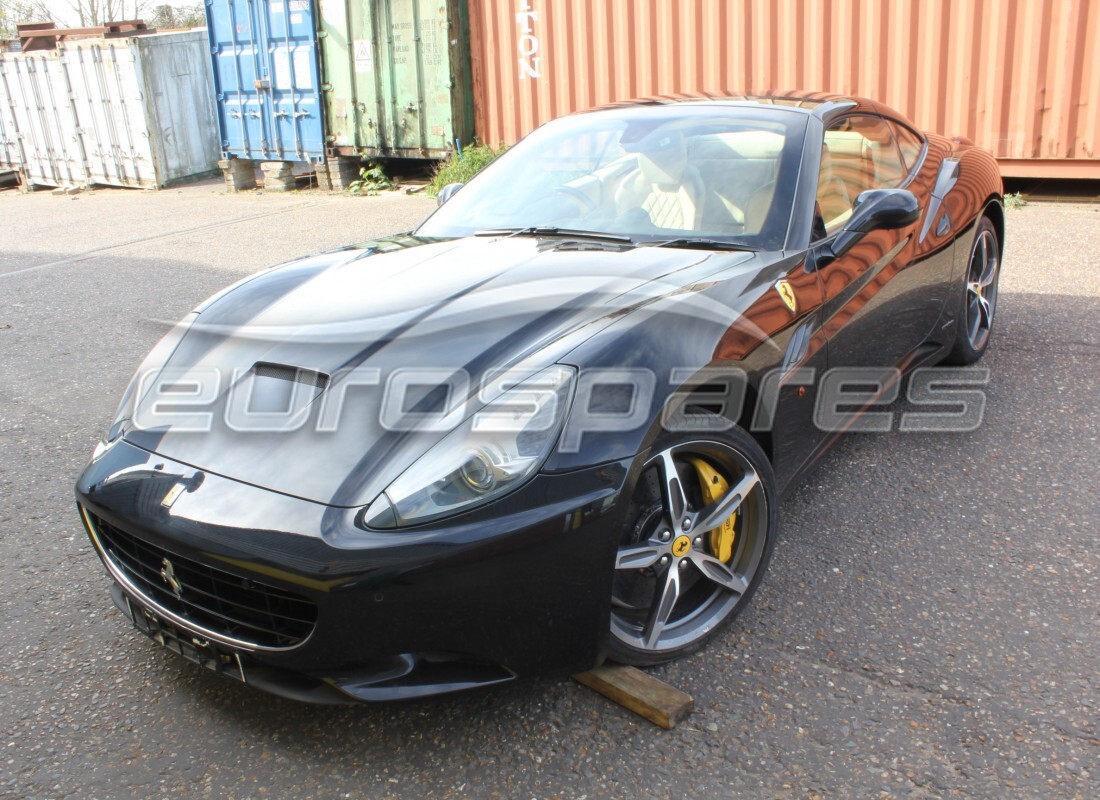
(135, 111)
(9, 146)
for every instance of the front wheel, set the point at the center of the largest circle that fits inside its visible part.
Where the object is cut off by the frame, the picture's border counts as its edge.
(699, 534)
(979, 297)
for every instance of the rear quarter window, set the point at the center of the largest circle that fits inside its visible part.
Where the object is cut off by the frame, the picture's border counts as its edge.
(910, 145)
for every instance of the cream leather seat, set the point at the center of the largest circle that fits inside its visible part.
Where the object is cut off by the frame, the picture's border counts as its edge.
(664, 187)
(674, 206)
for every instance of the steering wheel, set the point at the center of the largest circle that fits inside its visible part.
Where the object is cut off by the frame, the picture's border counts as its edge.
(577, 196)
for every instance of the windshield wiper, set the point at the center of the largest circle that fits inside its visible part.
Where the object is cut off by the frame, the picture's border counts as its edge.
(701, 243)
(548, 230)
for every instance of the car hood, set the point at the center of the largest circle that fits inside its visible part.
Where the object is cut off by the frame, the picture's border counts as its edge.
(331, 330)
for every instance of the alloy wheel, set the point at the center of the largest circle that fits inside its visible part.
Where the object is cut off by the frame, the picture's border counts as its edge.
(981, 288)
(674, 585)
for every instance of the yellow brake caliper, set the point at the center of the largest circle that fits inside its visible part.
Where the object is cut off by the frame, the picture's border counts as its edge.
(714, 486)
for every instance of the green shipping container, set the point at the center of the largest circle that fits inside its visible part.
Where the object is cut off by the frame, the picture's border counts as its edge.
(395, 77)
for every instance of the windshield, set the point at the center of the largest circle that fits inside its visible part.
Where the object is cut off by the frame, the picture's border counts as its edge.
(651, 173)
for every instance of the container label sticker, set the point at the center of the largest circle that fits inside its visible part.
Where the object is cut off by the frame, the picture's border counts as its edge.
(295, 19)
(298, 5)
(281, 62)
(303, 75)
(364, 61)
(293, 64)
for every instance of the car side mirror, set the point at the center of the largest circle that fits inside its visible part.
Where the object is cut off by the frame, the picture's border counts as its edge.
(875, 210)
(447, 192)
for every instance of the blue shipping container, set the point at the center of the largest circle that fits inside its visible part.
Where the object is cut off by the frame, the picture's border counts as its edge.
(266, 78)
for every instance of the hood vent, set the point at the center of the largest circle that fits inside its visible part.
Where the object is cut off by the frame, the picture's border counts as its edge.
(279, 390)
(283, 372)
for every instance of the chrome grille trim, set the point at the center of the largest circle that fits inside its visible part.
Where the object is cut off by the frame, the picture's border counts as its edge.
(127, 582)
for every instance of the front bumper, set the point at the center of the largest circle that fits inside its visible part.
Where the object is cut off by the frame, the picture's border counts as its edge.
(519, 587)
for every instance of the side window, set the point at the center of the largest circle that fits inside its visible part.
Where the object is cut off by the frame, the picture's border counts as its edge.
(859, 153)
(910, 145)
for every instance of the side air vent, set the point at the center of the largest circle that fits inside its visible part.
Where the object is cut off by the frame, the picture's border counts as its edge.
(710, 397)
(798, 347)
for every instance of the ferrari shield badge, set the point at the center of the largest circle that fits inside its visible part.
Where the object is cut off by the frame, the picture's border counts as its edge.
(173, 495)
(786, 294)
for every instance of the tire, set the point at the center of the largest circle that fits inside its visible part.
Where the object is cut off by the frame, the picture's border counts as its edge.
(978, 297)
(671, 593)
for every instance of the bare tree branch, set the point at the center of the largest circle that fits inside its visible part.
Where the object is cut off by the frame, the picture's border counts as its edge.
(13, 12)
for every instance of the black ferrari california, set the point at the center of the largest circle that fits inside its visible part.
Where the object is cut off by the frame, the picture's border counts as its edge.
(553, 424)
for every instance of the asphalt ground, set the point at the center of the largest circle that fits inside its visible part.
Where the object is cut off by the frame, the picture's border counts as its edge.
(929, 626)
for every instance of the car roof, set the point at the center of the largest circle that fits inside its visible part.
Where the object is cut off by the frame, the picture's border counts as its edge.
(823, 105)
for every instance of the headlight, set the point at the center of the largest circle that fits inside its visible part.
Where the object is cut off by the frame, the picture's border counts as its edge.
(488, 455)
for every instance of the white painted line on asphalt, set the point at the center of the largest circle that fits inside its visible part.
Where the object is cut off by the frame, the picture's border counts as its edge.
(123, 245)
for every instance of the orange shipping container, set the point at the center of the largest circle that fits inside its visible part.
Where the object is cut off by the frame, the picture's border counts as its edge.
(1019, 77)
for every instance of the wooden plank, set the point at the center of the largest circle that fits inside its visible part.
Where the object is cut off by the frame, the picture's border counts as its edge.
(661, 704)
(34, 26)
(96, 30)
(34, 36)
(29, 44)
(130, 32)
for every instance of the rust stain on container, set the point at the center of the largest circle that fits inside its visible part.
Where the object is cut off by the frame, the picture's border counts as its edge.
(1019, 77)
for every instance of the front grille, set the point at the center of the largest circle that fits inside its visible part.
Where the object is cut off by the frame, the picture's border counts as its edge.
(242, 609)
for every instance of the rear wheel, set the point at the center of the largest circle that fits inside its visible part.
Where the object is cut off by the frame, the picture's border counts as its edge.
(979, 300)
(699, 535)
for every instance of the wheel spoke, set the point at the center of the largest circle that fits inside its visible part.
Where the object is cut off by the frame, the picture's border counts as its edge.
(989, 273)
(639, 557)
(663, 603)
(973, 318)
(671, 489)
(974, 288)
(985, 311)
(989, 263)
(719, 572)
(719, 511)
